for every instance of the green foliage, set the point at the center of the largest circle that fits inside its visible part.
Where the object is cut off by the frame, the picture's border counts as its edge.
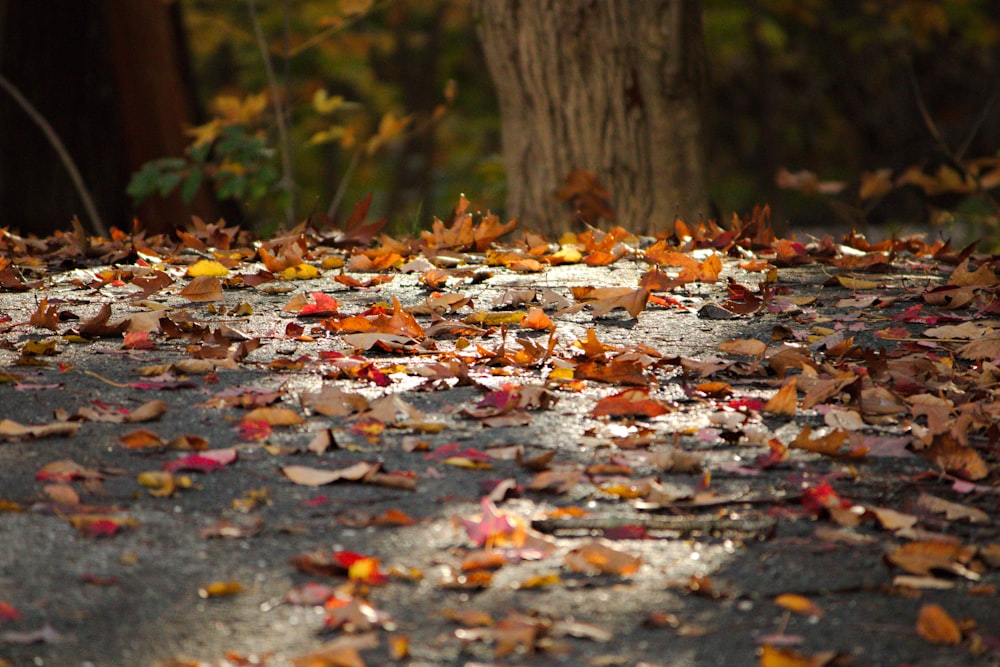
(816, 85)
(238, 162)
(369, 93)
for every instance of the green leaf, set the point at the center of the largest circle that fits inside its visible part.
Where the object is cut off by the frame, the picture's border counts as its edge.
(168, 182)
(143, 183)
(191, 184)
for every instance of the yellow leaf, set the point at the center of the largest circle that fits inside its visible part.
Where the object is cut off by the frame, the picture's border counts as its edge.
(324, 104)
(331, 134)
(388, 129)
(561, 374)
(566, 255)
(856, 283)
(540, 581)
(205, 267)
(300, 272)
(204, 134)
(219, 589)
(495, 319)
(462, 462)
(38, 348)
(159, 483)
(232, 109)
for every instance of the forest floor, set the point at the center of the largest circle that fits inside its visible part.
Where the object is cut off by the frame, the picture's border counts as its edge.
(340, 449)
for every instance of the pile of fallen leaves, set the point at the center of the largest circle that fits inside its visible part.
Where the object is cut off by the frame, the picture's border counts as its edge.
(911, 365)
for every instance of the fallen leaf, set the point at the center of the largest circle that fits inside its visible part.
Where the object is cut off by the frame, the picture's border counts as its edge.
(598, 557)
(798, 604)
(936, 626)
(318, 477)
(11, 430)
(785, 401)
(203, 288)
(274, 416)
(772, 656)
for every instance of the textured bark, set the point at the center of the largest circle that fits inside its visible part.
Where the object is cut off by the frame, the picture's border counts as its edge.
(611, 86)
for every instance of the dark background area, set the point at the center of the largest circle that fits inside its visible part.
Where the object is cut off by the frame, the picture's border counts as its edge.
(838, 89)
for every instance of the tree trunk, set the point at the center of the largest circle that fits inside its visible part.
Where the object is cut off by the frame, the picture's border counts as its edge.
(110, 78)
(609, 86)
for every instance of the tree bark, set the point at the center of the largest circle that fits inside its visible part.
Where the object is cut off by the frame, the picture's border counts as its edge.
(610, 86)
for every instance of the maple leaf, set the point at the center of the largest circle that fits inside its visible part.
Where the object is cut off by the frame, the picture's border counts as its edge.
(584, 194)
(630, 403)
(98, 327)
(491, 526)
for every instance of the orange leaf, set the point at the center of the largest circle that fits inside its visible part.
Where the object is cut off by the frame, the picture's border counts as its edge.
(936, 626)
(799, 604)
(785, 657)
(785, 402)
(274, 416)
(537, 319)
(597, 557)
(141, 439)
(629, 403)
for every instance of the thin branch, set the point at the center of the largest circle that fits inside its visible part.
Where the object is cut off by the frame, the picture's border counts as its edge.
(956, 158)
(95, 219)
(344, 180)
(974, 130)
(287, 177)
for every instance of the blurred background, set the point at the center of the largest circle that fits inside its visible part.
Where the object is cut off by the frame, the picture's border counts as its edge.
(876, 114)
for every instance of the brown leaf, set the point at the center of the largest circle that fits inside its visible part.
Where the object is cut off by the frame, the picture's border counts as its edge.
(203, 288)
(98, 327)
(958, 459)
(586, 196)
(11, 430)
(927, 556)
(147, 412)
(633, 301)
(331, 401)
(952, 511)
(46, 316)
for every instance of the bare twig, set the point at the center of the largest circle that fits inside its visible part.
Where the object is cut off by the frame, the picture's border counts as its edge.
(95, 219)
(344, 180)
(955, 157)
(287, 177)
